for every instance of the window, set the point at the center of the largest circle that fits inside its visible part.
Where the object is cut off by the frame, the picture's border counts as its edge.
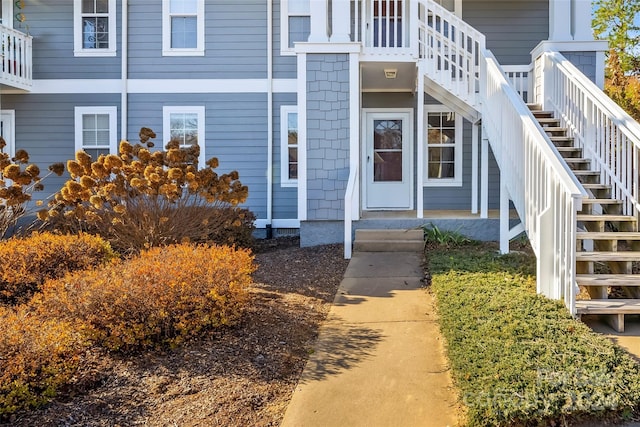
(7, 131)
(288, 145)
(444, 148)
(183, 28)
(96, 130)
(94, 27)
(185, 124)
(295, 23)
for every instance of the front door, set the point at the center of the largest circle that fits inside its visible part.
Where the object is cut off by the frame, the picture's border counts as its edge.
(387, 159)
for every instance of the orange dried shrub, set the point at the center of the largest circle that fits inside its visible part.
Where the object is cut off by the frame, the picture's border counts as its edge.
(161, 297)
(27, 262)
(38, 355)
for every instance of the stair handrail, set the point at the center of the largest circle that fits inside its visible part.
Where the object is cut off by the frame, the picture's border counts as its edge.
(544, 191)
(450, 49)
(607, 134)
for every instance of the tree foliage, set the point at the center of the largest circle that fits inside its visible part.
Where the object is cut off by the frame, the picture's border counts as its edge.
(617, 22)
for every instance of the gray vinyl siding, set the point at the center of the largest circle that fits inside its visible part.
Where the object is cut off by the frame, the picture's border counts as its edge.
(235, 133)
(45, 129)
(235, 42)
(285, 199)
(51, 25)
(512, 28)
(284, 67)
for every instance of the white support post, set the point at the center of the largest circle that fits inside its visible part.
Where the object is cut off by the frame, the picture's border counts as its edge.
(581, 20)
(319, 18)
(421, 144)
(302, 136)
(474, 167)
(560, 20)
(504, 216)
(484, 183)
(341, 21)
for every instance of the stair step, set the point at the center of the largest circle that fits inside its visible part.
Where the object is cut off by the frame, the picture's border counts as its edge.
(554, 129)
(548, 121)
(605, 217)
(586, 173)
(601, 201)
(562, 138)
(616, 307)
(534, 107)
(608, 235)
(608, 279)
(596, 186)
(577, 163)
(608, 256)
(538, 114)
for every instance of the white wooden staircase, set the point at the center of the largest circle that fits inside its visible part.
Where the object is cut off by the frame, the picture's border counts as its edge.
(608, 242)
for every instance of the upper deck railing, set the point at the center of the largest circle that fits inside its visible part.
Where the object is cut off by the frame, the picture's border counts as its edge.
(15, 59)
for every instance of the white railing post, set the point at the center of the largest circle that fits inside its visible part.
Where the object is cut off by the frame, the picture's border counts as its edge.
(341, 21)
(319, 10)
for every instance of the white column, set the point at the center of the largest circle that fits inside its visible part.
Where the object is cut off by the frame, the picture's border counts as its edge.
(302, 136)
(341, 21)
(581, 20)
(484, 184)
(560, 20)
(504, 216)
(421, 144)
(319, 13)
(474, 167)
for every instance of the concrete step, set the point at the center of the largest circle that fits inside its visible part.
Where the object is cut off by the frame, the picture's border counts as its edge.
(608, 279)
(617, 308)
(371, 240)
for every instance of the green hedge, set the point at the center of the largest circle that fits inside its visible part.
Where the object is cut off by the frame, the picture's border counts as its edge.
(519, 358)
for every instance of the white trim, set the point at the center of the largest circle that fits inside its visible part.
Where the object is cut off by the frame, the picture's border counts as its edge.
(78, 49)
(270, 142)
(284, 26)
(167, 110)
(320, 47)
(124, 72)
(113, 127)
(167, 50)
(7, 13)
(484, 178)
(475, 133)
(10, 134)
(302, 136)
(420, 143)
(70, 86)
(285, 181)
(456, 181)
(569, 46)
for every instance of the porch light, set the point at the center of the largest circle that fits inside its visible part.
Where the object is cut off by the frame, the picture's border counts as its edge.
(391, 73)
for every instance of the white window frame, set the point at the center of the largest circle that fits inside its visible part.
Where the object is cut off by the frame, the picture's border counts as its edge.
(285, 110)
(10, 135)
(78, 49)
(456, 181)
(200, 112)
(113, 127)
(167, 50)
(284, 26)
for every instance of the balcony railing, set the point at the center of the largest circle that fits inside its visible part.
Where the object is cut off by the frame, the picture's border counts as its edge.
(15, 59)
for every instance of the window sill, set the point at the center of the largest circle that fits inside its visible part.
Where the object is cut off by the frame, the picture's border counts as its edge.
(94, 53)
(185, 52)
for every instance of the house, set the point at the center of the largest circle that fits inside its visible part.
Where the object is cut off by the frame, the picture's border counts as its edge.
(351, 114)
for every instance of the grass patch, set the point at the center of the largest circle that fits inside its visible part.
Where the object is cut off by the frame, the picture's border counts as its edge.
(519, 358)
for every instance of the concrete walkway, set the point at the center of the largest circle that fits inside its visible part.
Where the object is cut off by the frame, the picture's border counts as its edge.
(379, 357)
